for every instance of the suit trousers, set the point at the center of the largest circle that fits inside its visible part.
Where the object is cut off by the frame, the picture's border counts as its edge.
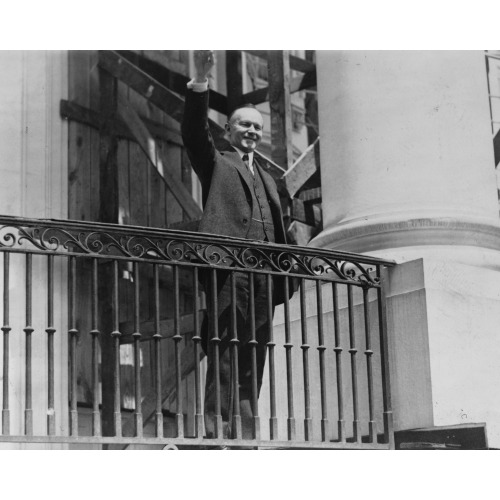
(226, 369)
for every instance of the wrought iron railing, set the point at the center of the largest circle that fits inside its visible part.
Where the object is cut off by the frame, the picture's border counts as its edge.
(78, 298)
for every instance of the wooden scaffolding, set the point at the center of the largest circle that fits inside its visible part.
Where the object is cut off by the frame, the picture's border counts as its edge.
(127, 165)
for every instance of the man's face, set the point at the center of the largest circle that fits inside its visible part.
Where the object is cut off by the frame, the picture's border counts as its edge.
(244, 129)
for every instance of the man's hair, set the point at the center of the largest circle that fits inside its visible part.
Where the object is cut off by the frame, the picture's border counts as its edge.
(242, 106)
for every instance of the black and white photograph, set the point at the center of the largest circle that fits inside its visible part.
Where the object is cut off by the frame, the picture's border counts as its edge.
(272, 249)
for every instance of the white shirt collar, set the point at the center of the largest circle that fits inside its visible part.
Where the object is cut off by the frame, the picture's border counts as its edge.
(250, 155)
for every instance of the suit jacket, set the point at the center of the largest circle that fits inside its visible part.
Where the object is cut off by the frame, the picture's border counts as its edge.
(225, 180)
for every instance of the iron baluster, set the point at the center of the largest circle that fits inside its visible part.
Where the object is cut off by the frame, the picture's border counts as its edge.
(179, 417)
(157, 352)
(321, 352)
(6, 329)
(115, 334)
(215, 340)
(338, 364)
(305, 363)
(289, 364)
(96, 417)
(234, 342)
(254, 346)
(198, 417)
(73, 332)
(354, 370)
(137, 354)
(273, 419)
(372, 426)
(28, 409)
(50, 330)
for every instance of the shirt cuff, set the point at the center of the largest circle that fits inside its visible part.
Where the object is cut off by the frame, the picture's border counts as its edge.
(197, 86)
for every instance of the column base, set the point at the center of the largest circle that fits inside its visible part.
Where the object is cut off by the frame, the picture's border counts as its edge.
(472, 242)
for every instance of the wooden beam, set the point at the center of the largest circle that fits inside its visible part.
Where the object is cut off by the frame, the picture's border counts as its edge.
(311, 195)
(234, 79)
(108, 212)
(108, 204)
(70, 110)
(256, 96)
(139, 132)
(302, 170)
(272, 168)
(164, 58)
(302, 82)
(170, 79)
(311, 109)
(152, 90)
(281, 108)
(142, 83)
(142, 136)
(160, 131)
(305, 81)
(296, 63)
(305, 212)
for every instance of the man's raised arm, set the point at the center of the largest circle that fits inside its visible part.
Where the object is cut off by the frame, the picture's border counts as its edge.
(195, 131)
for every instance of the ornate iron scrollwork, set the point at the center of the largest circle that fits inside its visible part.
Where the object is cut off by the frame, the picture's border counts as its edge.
(172, 247)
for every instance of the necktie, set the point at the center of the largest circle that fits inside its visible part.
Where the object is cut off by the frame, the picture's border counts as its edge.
(246, 161)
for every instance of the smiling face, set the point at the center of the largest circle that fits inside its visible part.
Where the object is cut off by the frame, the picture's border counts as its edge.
(244, 129)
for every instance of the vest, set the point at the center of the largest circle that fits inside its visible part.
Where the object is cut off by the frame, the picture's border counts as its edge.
(261, 224)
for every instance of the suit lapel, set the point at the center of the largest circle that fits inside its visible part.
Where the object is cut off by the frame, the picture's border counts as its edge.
(239, 165)
(274, 202)
(269, 184)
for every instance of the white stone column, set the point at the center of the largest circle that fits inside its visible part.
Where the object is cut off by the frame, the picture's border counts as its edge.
(408, 174)
(33, 168)
(407, 157)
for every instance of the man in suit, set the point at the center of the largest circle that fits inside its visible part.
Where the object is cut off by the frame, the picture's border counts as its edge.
(241, 200)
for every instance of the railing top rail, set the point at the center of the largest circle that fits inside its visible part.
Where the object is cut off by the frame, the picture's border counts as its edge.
(184, 248)
(187, 236)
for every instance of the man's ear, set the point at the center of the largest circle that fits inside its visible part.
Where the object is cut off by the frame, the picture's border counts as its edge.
(226, 127)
